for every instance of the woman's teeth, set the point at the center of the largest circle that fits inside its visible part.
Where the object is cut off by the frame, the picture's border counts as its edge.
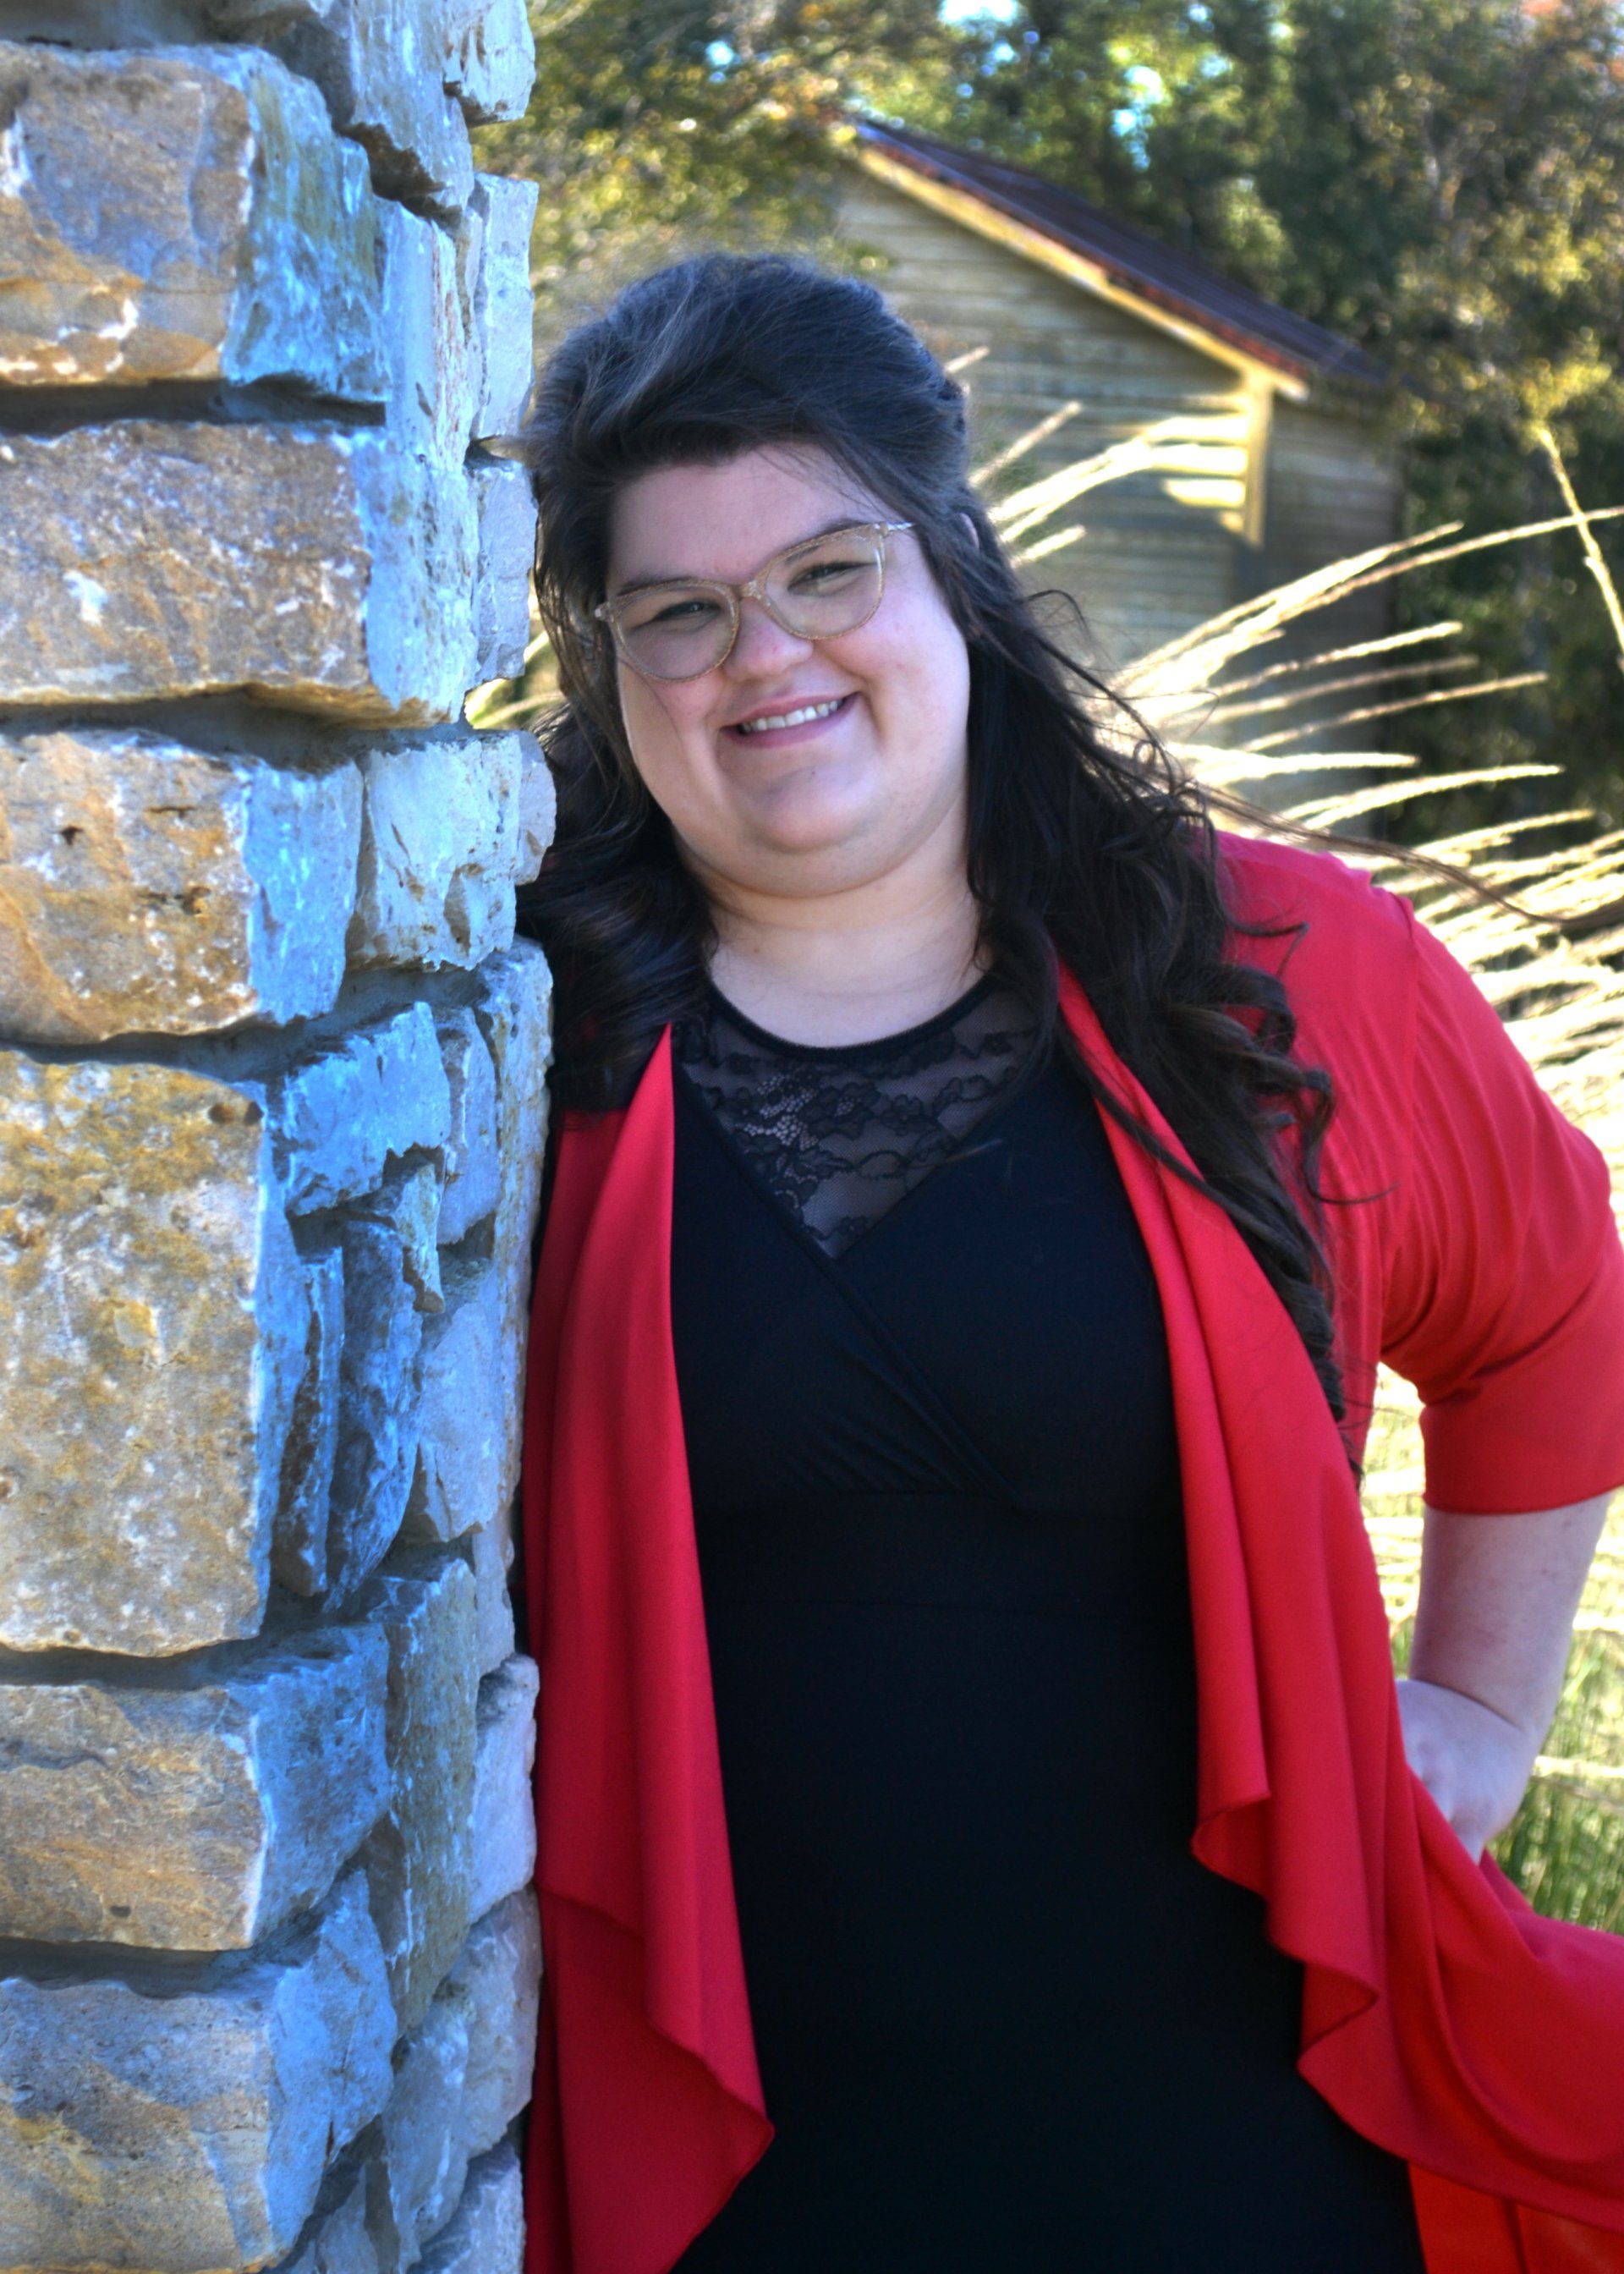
(790, 718)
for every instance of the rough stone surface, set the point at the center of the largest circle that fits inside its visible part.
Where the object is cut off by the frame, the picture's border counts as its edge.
(190, 1818)
(504, 1851)
(417, 1857)
(500, 1971)
(432, 390)
(514, 1008)
(492, 58)
(465, 1424)
(470, 1185)
(181, 216)
(439, 845)
(145, 886)
(155, 1326)
(493, 249)
(321, 569)
(506, 510)
(538, 809)
(299, 1536)
(153, 2125)
(421, 2159)
(486, 2235)
(337, 1113)
(382, 65)
(377, 1448)
(491, 1550)
(337, 2240)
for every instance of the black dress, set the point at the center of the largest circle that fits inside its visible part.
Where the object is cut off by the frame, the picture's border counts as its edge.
(1004, 2020)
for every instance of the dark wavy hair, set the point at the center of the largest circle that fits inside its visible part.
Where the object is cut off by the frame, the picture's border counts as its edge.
(1104, 856)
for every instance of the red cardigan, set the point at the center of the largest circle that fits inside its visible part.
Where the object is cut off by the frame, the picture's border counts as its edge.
(1441, 2017)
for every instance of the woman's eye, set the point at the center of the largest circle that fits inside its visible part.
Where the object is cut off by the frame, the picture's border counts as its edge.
(681, 616)
(824, 575)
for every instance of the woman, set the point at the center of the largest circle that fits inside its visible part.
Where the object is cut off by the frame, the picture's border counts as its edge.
(980, 1193)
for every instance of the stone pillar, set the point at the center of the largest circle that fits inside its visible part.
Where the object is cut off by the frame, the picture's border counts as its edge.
(271, 1120)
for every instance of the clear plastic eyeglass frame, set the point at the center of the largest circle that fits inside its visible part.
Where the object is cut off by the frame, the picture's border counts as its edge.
(609, 612)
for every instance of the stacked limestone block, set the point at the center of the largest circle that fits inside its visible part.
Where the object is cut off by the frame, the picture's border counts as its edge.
(271, 1119)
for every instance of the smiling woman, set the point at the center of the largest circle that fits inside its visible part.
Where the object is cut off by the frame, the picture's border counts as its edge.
(975, 1825)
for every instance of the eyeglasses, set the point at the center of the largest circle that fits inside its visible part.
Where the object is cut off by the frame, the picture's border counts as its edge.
(816, 589)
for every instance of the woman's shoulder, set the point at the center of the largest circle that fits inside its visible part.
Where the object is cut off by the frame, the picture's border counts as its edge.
(1344, 946)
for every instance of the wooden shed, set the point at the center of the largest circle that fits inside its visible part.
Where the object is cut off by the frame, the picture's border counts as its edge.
(1268, 461)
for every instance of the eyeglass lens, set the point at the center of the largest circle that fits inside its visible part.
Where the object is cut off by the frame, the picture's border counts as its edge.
(817, 592)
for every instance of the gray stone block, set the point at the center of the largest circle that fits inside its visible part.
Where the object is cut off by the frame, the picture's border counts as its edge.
(490, 1550)
(439, 845)
(382, 65)
(470, 1190)
(486, 2235)
(340, 1110)
(335, 2240)
(417, 1857)
(494, 253)
(376, 1446)
(156, 1318)
(299, 1537)
(514, 1008)
(145, 886)
(538, 809)
(499, 1968)
(466, 1422)
(432, 391)
(493, 62)
(419, 2162)
(184, 215)
(504, 1839)
(506, 510)
(318, 567)
(194, 1818)
(186, 2123)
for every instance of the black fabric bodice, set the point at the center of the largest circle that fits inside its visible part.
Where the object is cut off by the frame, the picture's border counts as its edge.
(1004, 2018)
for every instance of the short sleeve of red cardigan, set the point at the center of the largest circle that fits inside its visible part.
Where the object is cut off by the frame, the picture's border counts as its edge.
(1504, 1301)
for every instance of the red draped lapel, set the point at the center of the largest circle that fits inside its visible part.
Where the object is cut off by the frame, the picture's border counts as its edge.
(1441, 2018)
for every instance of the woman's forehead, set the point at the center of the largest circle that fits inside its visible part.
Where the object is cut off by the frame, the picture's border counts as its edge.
(725, 519)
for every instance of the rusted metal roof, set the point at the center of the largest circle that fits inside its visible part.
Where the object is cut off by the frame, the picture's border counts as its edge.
(1176, 282)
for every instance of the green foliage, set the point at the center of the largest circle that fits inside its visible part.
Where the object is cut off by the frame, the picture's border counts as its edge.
(1441, 180)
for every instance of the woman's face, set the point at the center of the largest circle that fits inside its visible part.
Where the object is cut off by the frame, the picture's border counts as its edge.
(838, 801)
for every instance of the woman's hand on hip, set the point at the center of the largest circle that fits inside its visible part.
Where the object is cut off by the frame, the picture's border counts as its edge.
(1474, 1762)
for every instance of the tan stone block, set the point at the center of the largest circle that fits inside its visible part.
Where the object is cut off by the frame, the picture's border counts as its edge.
(507, 509)
(190, 1818)
(340, 1108)
(182, 216)
(184, 2118)
(337, 2240)
(156, 1318)
(145, 886)
(466, 1422)
(376, 1452)
(538, 809)
(491, 1551)
(439, 844)
(493, 62)
(318, 566)
(417, 1857)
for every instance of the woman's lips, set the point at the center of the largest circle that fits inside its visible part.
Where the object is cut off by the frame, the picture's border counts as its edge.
(775, 738)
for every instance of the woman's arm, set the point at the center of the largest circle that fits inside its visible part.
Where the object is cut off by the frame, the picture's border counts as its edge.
(1492, 1626)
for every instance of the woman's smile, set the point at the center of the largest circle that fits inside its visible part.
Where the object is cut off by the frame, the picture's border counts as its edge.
(796, 718)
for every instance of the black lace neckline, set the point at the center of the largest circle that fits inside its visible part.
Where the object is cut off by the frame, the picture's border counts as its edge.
(840, 1131)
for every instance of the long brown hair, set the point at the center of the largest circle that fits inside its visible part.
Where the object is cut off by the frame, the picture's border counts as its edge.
(1104, 856)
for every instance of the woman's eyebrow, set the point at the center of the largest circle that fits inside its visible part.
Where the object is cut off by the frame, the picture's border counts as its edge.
(690, 576)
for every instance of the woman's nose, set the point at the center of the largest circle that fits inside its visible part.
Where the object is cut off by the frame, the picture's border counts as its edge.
(761, 644)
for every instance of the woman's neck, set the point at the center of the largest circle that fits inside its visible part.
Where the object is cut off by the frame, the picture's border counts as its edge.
(851, 968)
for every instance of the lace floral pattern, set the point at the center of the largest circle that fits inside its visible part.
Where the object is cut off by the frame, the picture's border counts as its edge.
(840, 1132)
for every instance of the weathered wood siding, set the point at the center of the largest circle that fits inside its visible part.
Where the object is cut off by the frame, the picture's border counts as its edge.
(1162, 549)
